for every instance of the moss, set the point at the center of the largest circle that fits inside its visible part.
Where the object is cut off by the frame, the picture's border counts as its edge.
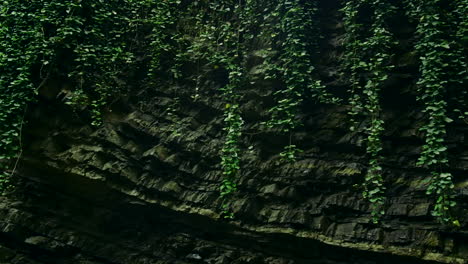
(302, 165)
(346, 172)
(171, 186)
(462, 185)
(431, 240)
(6, 254)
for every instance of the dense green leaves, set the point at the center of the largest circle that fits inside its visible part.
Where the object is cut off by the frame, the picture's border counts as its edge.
(219, 45)
(18, 55)
(439, 52)
(94, 46)
(295, 31)
(87, 44)
(369, 56)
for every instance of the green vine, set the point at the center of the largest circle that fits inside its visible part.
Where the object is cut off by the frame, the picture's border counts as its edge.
(98, 48)
(88, 44)
(294, 67)
(459, 60)
(353, 58)
(17, 57)
(370, 57)
(162, 15)
(379, 44)
(230, 160)
(219, 44)
(436, 55)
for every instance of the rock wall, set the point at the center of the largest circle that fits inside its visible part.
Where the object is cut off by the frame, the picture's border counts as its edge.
(143, 188)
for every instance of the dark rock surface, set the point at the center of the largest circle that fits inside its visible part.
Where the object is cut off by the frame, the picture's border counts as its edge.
(133, 191)
(143, 188)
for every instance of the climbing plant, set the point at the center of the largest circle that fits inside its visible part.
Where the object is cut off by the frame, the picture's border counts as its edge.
(378, 66)
(437, 55)
(353, 58)
(230, 159)
(162, 15)
(295, 67)
(17, 57)
(368, 63)
(459, 61)
(98, 47)
(232, 61)
(90, 44)
(216, 41)
(100, 53)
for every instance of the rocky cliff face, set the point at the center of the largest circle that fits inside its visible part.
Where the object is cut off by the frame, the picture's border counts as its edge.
(143, 188)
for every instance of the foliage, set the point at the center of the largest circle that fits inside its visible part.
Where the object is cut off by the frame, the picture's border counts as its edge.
(91, 44)
(438, 54)
(296, 33)
(459, 61)
(219, 45)
(99, 46)
(17, 57)
(352, 61)
(370, 56)
(161, 15)
(230, 160)
(290, 153)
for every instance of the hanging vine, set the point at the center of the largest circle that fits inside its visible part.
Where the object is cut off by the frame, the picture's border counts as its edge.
(459, 61)
(233, 62)
(221, 26)
(95, 45)
(294, 67)
(369, 58)
(436, 56)
(163, 14)
(353, 58)
(86, 43)
(17, 57)
(379, 45)
(230, 159)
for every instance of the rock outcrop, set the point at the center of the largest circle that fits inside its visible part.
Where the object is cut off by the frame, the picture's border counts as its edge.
(143, 188)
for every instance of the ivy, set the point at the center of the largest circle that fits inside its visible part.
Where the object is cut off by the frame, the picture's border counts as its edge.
(103, 52)
(219, 44)
(436, 56)
(98, 46)
(353, 58)
(230, 160)
(89, 44)
(294, 67)
(163, 14)
(232, 61)
(459, 60)
(370, 58)
(17, 57)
